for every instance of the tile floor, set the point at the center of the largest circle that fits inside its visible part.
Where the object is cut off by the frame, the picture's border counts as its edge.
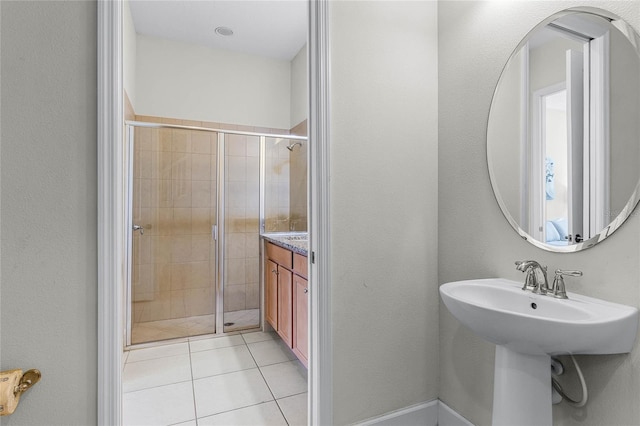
(242, 379)
(153, 331)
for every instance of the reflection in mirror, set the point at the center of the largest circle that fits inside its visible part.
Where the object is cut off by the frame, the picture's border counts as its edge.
(563, 139)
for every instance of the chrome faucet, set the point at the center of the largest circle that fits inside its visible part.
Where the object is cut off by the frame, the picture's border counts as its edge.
(532, 280)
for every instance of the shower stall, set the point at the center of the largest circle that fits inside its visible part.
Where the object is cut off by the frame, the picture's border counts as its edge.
(198, 199)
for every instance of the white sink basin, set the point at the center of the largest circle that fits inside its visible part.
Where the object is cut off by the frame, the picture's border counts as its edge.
(499, 311)
(527, 329)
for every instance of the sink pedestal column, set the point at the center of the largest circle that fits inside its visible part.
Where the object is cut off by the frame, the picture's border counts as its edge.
(521, 389)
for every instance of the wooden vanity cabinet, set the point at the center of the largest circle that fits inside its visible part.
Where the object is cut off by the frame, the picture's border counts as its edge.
(271, 293)
(287, 298)
(285, 306)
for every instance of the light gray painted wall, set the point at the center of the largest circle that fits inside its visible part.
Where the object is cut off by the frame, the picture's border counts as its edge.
(547, 63)
(475, 241)
(383, 206)
(299, 88)
(192, 82)
(48, 216)
(129, 54)
(625, 120)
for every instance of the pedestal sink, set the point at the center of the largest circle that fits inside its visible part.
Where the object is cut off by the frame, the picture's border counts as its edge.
(527, 329)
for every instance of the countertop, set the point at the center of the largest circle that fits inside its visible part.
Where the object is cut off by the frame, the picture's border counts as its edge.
(298, 242)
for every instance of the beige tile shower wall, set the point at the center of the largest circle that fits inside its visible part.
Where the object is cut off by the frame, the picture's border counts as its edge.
(175, 200)
(242, 290)
(298, 181)
(242, 213)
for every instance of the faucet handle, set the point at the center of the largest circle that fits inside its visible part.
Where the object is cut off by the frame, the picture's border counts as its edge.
(568, 273)
(559, 291)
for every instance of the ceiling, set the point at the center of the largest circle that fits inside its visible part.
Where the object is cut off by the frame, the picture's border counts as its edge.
(270, 28)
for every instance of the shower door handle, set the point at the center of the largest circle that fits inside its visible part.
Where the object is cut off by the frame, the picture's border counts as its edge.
(214, 232)
(139, 228)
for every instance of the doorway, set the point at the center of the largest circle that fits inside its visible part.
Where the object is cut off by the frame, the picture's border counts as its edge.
(112, 226)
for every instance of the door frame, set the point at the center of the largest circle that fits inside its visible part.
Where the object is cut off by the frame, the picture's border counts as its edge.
(111, 214)
(537, 155)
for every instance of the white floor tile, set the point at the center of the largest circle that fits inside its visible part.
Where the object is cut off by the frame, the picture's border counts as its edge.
(215, 343)
(267, 414)
(189, 423)
(259, 336)
(163, 405)
(220, 361)
(295, 409)
(156, 372)
(270, 352)
(285, 379)
(227, 392)
(136, 355)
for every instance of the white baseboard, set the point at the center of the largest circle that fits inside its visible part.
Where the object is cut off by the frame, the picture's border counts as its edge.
(447, 416)
(432, 413)
(424, 414)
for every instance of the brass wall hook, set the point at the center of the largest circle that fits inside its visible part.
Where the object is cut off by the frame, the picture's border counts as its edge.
(13, 383)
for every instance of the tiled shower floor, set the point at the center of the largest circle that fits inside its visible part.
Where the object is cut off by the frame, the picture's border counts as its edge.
(153, 331)
(243, 379)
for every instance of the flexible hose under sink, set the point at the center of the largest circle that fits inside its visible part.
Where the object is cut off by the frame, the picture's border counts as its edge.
(585, 394)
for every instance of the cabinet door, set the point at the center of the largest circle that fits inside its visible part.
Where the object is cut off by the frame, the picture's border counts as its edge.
(271, 293)
(301, 318)
(285, 305)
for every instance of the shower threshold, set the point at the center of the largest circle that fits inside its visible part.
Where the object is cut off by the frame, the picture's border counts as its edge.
(154, 331)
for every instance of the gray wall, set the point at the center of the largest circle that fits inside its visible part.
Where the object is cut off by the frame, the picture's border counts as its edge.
(383, 206)
(48, 216)
(475, 241)
(625, 120)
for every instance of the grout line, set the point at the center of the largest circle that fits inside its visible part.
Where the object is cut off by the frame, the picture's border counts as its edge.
(269, 387)
(153, 358)
(193, 386)
(251, 405)
(157, 386)
(290, 396)
(239, 408)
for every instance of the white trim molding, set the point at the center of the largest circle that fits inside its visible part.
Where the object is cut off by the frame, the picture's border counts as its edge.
(320, 362)
(425, 414)
(447, 416)
(111, 268)
(432, 413)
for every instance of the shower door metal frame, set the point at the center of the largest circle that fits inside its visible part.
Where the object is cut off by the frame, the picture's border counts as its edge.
(128, 298)
(220, 231)
(220, 217)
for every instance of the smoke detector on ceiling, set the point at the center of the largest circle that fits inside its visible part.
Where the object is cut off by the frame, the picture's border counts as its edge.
(224, 31)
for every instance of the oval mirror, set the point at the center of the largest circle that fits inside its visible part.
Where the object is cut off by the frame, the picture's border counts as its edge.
(563, 137)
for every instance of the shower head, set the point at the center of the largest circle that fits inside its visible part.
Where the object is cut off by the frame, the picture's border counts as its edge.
(290, 147)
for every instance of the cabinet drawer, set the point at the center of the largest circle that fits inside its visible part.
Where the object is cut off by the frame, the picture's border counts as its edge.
(300, 266)
(280, 255)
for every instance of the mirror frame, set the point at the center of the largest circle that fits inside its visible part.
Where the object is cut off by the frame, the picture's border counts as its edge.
(634, 38)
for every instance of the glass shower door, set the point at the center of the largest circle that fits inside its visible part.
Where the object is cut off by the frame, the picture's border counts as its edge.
(173, 213)
(241, 232)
